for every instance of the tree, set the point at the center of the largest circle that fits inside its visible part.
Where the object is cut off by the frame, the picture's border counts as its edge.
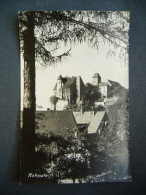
(91, 95)
(54, 100)
(41, 36)
(62, 157)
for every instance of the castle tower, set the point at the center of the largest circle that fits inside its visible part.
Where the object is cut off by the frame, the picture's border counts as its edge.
(96, 79)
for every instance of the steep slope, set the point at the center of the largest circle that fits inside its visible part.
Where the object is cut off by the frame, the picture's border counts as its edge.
(110, 155)
(117, 108)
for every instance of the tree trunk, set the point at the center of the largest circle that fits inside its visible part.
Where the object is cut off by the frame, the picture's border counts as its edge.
(28, 132)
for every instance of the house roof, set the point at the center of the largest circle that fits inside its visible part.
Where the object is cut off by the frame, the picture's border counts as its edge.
(96, 75)
(56, 122)
(95, 122)
(67, 82)
(83, 118)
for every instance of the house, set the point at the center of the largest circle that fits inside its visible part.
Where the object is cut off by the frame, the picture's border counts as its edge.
(92, 123)
(68, 124)
(60, 123)
(69, 88)
(97, 123)
(89, 121)
(83, 119)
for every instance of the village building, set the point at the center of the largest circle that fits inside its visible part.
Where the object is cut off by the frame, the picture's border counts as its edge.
(83, 119)
(97, 123)
(68, 123)
(58, 123)
(92, 123)
(89, 121)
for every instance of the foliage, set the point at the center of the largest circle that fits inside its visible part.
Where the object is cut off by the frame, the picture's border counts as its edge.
(100, 108)
(54, 28)
(91, 95)
(63, 161)
(53, 100)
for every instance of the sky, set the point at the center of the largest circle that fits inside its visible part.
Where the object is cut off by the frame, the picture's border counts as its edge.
(85, 62)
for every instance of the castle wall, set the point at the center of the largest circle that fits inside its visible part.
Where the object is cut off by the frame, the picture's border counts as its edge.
(61, 104)
(80, 88)
(103, 90)
(78, 80)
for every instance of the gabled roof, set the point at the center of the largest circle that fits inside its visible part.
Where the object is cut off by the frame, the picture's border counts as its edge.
(67, 82)
(96, 75)
(95, 122)
(56, 122)
(83, 118)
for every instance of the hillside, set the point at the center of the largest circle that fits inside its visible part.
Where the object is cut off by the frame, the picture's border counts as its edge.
(110, 150)
(117, 108)
(116, 89)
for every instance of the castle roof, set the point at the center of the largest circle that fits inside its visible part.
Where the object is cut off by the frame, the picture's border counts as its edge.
(67, 82)
(56, 122)
(96, 75)
(95, 122)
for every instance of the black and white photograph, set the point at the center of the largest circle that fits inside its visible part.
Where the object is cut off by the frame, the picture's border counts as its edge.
(74, 107)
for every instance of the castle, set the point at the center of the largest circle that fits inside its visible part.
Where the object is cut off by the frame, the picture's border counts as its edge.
(71, 89)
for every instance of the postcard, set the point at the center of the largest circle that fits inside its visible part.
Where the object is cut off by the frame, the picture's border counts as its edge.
(74, 110)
